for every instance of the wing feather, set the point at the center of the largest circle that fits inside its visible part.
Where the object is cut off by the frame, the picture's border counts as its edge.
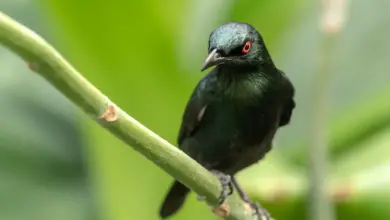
(203, 94)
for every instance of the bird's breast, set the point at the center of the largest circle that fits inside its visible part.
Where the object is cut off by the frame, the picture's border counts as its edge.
(248, 122)
(235, 135)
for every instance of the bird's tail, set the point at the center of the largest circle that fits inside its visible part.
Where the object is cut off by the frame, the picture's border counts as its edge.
(174, 199)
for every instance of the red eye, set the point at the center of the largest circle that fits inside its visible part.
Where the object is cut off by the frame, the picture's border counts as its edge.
(247, 47)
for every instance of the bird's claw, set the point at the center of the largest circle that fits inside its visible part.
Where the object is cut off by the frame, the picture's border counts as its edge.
(226, 182)
(227, 188)
(262, 214)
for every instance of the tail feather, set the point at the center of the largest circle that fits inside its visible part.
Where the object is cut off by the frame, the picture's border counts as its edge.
(174, 199)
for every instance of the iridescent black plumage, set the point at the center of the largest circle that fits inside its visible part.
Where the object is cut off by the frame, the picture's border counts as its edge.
(235, 110)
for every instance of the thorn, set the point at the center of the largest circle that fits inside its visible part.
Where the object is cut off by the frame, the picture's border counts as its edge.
(111, 114)
(222, 210)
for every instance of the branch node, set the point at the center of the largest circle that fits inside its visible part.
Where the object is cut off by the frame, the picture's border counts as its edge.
(222, 210)
(33, 66)
(111, 113)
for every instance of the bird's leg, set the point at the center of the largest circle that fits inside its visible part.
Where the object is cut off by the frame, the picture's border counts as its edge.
(259, 211)
(227, 187)
(226, 182)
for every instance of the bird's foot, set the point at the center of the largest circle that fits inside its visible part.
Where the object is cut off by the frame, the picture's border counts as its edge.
(227, 188)
(226, 182)
(261, 213)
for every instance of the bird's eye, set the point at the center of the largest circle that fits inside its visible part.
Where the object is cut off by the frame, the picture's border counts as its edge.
(247, 47)
(241, 50)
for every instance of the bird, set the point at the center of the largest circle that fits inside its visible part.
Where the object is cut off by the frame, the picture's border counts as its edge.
(234, 111)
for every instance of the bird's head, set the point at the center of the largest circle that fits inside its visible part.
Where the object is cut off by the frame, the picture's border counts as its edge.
(235, 44)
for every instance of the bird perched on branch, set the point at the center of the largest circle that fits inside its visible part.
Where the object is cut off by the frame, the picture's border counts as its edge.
(234, 112)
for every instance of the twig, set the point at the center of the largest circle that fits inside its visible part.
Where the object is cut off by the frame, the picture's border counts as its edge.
(43, 59)
(334, 13)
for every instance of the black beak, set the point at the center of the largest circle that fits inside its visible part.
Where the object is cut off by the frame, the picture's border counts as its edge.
(214, 58)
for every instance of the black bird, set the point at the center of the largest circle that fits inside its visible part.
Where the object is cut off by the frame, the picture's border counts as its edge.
(235, 110)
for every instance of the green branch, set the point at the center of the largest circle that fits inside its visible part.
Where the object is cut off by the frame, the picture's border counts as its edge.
(43, 59)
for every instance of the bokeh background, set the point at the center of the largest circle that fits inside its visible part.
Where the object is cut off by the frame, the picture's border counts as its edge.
(56, 163)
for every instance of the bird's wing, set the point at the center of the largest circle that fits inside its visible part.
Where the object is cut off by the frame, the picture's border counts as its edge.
(289, 104)
(203, 95)
(288, 108)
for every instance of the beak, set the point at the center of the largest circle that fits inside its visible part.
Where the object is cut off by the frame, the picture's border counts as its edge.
(214, 58)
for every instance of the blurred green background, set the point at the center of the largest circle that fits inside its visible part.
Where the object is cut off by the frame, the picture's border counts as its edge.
(55, 163)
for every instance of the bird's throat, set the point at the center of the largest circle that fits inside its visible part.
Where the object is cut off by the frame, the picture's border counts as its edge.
(244, 85)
